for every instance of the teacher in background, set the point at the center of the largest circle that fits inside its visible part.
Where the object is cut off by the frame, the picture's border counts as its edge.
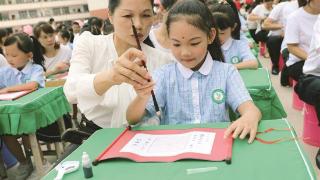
(104, 68)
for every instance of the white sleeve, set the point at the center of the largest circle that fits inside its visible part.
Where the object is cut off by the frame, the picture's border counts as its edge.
(292, 31)
(256, 10)
(316, 34)
(79, 85)
(276, 13)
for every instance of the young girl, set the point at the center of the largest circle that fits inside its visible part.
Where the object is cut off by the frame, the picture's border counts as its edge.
(56, 57)
(236, 52)
(22, 74)
(198, 87)
(64, 37)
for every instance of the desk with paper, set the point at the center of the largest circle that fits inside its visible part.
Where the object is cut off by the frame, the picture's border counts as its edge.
(284, 160)
(170, 145)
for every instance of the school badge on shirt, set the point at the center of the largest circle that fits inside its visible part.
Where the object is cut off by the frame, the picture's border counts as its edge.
(235, 60)
(218, 96)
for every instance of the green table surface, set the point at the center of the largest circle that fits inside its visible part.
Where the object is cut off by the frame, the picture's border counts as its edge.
(33, 111)
(262, 93)
(256, 79)
(256, 161)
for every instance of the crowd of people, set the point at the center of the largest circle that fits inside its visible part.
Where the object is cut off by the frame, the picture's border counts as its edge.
(192, 49)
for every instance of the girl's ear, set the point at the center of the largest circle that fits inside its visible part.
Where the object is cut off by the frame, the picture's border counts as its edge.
(30, 55)
(212, 36)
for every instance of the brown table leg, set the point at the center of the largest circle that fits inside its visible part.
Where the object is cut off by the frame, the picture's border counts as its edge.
(59, 145)
(74, 115)
(37, 155)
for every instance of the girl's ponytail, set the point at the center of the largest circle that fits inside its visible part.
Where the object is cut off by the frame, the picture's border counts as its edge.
(37, 52)
(215, 49)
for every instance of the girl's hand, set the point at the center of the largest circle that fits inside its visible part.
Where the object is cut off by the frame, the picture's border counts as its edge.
(128, 68)
(4, 91)
(242, 127)
(144, 91)
(247, 123)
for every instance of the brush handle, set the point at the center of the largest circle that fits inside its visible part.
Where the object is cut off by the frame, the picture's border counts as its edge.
(144, 65)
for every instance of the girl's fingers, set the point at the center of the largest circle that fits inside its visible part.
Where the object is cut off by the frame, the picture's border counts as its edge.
(244, 133)
(237, 131)
(229, 130)
(253, 134)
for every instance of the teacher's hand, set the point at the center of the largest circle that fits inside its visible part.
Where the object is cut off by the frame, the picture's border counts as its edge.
(128, 68)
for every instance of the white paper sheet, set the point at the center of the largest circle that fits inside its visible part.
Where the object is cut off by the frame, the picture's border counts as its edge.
(170, 145)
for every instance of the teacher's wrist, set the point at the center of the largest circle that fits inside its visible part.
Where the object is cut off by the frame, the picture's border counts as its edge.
(102, 82)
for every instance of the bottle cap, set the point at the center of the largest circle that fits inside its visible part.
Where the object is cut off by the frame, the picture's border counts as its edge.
(85, 158)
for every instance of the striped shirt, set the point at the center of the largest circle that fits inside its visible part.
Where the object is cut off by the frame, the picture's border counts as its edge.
(188, 97)
(236, 51)
(10, 76)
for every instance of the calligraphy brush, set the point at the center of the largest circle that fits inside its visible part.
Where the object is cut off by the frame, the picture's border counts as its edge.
(155, 103)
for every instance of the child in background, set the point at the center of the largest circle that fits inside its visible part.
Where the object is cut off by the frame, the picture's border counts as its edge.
(56, 58)
(64, 37)
(199, 87)
(23, 73)
(3, 36)
(235, 52)
(159, 35)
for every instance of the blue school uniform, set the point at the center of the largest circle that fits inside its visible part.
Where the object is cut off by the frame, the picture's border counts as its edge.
(10, 76)
(236, 51)
(188, 97)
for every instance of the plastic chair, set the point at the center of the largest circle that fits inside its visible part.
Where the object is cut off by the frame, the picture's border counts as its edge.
(262, 48)
(281, 62)
(311, 129)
